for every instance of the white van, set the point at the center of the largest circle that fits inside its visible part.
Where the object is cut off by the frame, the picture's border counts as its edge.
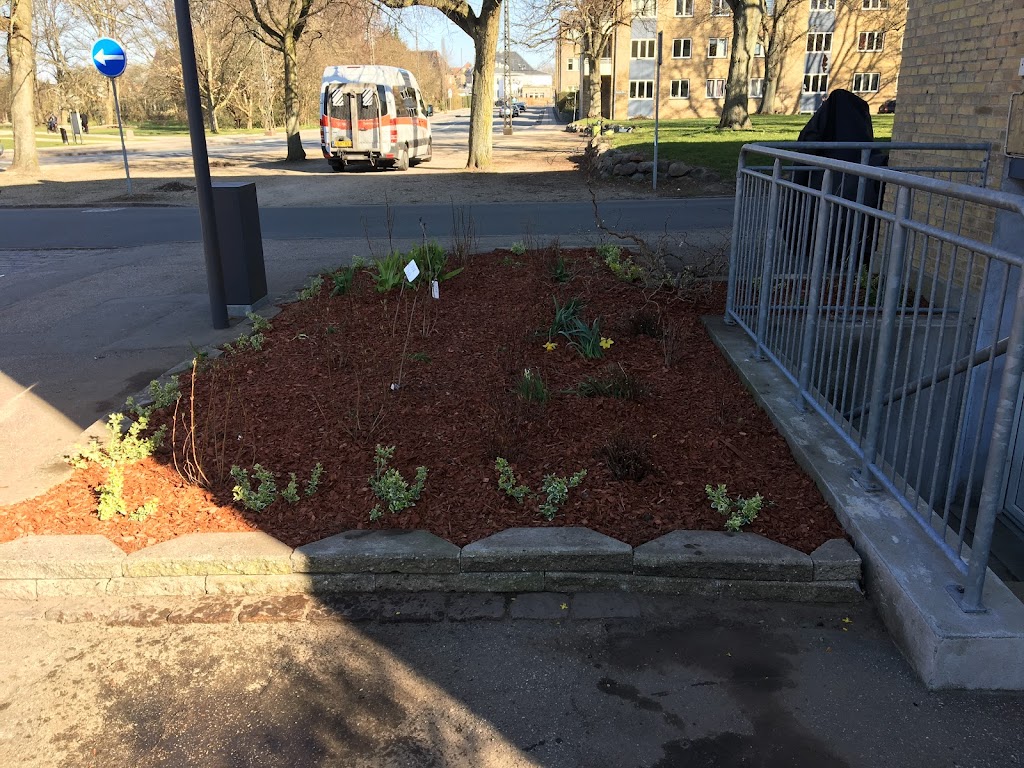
(373, 114)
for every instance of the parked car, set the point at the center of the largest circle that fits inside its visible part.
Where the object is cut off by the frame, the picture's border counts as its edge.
(505, 109)
(521, 105)
(888, 107)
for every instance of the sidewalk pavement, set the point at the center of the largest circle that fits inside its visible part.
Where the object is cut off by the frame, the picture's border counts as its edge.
(438, 680)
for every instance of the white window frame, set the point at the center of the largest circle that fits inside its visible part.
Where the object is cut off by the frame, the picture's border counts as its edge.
(718, 42)
(756, 93)
(823, 5)
(759, 50)
(720, 8)
(684, 8)
(871, 42)
(688, 41)
(874, 5)
(641, 89)
(644, 9)
(643, 48)
(714, 88)
(819, 42)
(675, 88)
(818, 80)
(863, 82)
(570, 64)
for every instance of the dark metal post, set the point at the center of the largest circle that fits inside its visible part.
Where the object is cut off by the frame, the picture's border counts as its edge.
(657, 98)
(120, 129)
(201, 164)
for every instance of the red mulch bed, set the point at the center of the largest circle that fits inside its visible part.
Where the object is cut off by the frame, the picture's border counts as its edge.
(324, 373)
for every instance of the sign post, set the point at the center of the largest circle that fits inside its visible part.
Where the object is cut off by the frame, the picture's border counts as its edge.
(657, 98)
(110, 60)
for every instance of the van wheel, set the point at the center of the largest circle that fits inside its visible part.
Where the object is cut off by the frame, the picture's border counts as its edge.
(337, 166)
(430, 152)
(402, 163)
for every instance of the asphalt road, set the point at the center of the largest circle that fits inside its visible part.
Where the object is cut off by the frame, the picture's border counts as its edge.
(111, 227)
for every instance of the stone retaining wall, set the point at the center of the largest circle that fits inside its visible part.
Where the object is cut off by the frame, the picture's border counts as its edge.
(609, 163)
(704, 563)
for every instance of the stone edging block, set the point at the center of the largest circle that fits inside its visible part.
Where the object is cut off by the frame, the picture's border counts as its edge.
(836, 560)
(60, 557)
(206, 554)
(716, 555)
(388, 551)
(547, 549)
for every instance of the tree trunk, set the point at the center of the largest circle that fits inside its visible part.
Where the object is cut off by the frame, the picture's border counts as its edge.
(592, 84)
(291, 101)
(481, 121)
(109, 111)
(771, 80)
(746, 21)
(23, 86)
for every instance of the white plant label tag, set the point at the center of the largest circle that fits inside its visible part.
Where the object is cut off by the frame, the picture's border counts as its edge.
(411, 271)
(435, 290)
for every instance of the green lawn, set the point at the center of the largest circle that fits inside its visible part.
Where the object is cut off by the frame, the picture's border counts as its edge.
(699, 142)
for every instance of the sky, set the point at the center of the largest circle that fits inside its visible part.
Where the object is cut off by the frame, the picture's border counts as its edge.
(427, 28)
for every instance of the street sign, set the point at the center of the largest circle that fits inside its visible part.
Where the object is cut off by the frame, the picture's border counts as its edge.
(109, 57)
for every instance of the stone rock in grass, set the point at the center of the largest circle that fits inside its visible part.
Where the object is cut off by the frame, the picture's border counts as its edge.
(679, 169)
(625, 169)
(645, 167)
(636, 157)
(638, 177)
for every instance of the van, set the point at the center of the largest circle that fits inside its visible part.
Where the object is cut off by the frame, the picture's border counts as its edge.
(373, 115)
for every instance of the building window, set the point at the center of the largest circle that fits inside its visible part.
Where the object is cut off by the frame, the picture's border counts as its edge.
(718, 48)
(819, 41)
(815, 83)
(758, 50)
(681, 48)
(756, 88)
(875, 5)
(684, 7)
(866, 82)
(871, 41)
(570, 64)
(641, 89)
(716, 89)
(643, 7)
(642, 49)
(823, 5)
(680, 89)
(720, 8)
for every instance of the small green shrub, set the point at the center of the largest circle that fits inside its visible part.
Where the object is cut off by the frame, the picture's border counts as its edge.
(622, 266)
(259, 323)
(390, 487)
(615, 383)
(313, 484)
(341, 280)
(290, 492)
(531, 387)
(567, 316)
(626, 458)
(389, 272)
(146, 510)
(508, 482)
(111, 495)
(557, 491)
(518, 248)
(738, 511)
(263, 496)
(645, 322)
(586, 339)
(312, 288)
(560, 269)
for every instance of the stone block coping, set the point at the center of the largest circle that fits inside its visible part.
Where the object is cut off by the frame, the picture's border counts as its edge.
(519, 560)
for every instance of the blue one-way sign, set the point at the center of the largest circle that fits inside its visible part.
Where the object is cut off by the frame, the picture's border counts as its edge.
(109, 57)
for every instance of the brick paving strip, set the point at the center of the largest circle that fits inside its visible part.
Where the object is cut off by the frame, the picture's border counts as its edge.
(393, 575)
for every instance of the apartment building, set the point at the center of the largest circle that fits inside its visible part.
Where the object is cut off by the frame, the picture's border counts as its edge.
(814, 46)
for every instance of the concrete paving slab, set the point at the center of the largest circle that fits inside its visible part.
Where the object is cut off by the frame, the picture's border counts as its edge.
(836, 560)
(721, 555)
(540, 605)
(385, 551)
(547, 549)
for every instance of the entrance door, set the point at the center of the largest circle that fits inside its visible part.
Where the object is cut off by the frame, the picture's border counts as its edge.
(606, 97)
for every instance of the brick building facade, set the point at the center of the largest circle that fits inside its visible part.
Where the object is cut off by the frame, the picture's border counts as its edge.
(821, 45)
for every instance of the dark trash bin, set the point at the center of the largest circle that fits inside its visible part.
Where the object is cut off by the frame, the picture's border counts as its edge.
(241, 245)
(64, 135)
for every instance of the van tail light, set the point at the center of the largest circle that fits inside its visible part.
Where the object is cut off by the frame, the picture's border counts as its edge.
(394, 135)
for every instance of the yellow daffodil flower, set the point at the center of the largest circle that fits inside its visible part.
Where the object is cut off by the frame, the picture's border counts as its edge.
(550, 346)
(606, 343)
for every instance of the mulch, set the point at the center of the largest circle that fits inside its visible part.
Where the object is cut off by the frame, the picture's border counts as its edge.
(320, 390)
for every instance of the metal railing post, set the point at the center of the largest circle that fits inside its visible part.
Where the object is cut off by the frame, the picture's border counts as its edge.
(995, 467)
(768, 262)
(814, 289)
(730, 296)
(886, 336)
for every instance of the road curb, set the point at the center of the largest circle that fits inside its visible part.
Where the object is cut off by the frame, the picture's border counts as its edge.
(400, 561)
